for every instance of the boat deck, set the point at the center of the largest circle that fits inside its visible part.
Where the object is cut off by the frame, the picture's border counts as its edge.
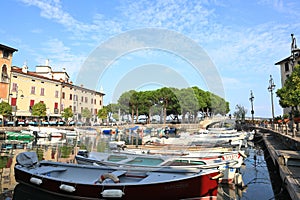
(92, 174)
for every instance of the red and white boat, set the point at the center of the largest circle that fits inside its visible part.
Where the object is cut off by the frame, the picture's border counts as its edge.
(74, 181)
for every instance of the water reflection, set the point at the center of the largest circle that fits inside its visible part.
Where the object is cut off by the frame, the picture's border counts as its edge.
(23, 192)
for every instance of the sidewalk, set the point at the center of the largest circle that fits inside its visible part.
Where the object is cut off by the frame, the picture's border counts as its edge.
(287, 137)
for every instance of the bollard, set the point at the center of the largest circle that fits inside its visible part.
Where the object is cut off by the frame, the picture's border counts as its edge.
(294, 130)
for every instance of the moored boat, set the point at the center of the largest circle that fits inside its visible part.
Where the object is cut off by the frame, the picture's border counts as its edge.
(23, 135)
(75, 181)
(227, 163)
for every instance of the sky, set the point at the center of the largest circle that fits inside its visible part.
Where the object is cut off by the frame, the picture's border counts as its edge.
(228, 47)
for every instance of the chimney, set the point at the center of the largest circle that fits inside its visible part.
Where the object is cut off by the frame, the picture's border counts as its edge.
(47, 62)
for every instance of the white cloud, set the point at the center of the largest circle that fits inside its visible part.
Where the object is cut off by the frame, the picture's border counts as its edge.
(289, 8)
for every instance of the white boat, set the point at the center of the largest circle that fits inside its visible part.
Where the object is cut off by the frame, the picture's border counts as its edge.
(198, 139)
(227, 163)
(44, 132)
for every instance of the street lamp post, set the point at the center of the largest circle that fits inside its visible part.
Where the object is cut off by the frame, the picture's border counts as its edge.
(271, 89)
(252, 110)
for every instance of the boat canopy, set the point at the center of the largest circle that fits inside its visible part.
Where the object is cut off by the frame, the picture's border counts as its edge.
(27, 159)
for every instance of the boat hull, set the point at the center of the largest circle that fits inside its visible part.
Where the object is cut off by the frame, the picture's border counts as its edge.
(197, 186)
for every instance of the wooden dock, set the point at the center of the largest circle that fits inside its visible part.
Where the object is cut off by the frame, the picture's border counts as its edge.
(287, 162)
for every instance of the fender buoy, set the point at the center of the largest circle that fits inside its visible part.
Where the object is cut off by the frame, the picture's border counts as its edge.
(111, 176)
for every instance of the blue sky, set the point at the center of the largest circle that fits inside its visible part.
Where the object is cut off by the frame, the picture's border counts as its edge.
(242, 39)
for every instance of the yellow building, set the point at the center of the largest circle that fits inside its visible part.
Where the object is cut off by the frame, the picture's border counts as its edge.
(52, 88)
(6, 55)
(22, 89)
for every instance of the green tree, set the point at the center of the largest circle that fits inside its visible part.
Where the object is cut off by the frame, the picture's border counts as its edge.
(103, 113)
(39, 110)
(188, 103)
(240, 112)
(67, 113)
(124, 102)
(5, 110)
(289, 94)
(86, 113)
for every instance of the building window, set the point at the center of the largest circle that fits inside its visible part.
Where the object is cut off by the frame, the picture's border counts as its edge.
(13, 101)
(4, 75)
(92, 101)
(63, 95)
(81, 99)
(14, 87)
(5, 54)
(56, 94)
(42, 91)
(96, 112)
(56, 108)
(86, 99)
(286, 67)
(71, 96)
(32, 89)
(31, 104)
(100, 102)
(95, 101)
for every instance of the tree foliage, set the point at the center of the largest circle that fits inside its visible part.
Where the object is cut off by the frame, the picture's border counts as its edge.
(39, 110)
(5, 110)
(67, 113)
(103, 113)
(187, 101)
(289, 94)
(240, 112)
(86, 113)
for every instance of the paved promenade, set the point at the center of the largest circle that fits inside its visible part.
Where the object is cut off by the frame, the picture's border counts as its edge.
(284, 149)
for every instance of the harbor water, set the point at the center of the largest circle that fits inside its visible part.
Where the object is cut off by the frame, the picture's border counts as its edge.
(260, 180)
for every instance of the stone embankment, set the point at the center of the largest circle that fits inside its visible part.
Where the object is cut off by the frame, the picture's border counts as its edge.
(283, 148)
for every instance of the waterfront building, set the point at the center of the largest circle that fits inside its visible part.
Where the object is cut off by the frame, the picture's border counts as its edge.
(287, 65)
(23, 88)
(6, 55)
